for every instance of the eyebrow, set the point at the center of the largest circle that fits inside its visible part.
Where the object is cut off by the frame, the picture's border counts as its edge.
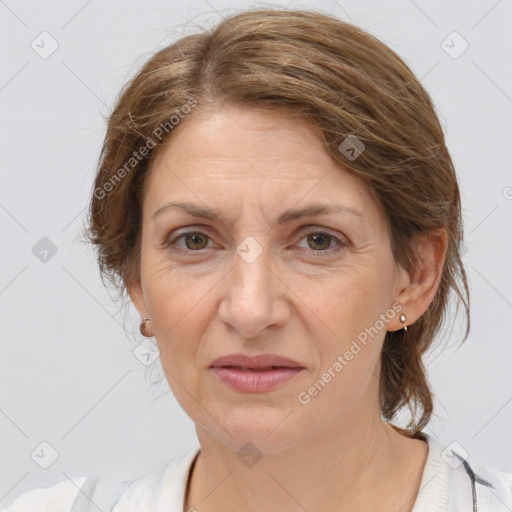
(286, 216)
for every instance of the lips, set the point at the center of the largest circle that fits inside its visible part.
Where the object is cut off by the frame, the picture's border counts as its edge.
(263, 362)
(267, 368)
(256, 374)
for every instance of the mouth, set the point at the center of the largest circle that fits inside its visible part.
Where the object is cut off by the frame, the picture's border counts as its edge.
(255, 373)
(252, 369)
(255, 380)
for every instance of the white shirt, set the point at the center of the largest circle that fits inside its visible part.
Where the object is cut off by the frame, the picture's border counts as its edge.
(449, 484)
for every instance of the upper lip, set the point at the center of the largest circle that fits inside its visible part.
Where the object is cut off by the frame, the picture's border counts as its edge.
(260, 361)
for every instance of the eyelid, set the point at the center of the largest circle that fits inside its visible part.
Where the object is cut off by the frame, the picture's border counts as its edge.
(340, 239)
(311, 228)
(314, 228)
(175, 234)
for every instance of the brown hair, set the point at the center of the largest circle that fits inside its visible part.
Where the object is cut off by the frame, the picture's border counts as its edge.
(340, 79)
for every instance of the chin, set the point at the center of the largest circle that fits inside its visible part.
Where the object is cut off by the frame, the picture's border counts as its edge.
(269, 430)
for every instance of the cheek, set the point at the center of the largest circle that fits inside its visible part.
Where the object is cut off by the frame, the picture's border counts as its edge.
(347, 379)
(352, 307)
(348, 302)
(176, 305)
(175, 297)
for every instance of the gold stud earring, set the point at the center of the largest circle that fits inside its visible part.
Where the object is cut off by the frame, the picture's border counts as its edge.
(402, 319)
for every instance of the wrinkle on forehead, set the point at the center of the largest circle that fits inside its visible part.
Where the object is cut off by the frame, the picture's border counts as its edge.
(248, 163)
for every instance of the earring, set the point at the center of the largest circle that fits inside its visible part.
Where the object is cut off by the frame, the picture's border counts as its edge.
(142, 328)
(402, 319)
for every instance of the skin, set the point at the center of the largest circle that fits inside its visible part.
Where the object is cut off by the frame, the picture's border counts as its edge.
(299, 299)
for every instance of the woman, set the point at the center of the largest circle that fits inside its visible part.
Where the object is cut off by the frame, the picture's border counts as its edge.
(276, 197)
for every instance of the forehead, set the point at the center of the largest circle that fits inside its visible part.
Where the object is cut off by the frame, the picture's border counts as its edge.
(229, 157)
(244, 138)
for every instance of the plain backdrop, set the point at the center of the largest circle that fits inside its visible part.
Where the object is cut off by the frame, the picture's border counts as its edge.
(70, 375)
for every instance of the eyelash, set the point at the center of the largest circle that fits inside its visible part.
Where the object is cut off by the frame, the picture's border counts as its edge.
(169, 244)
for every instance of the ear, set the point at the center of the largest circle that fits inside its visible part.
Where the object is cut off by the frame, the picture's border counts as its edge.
(416, 290)
(137, 296)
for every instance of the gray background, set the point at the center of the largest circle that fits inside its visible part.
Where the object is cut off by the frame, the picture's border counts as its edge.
(69, 373)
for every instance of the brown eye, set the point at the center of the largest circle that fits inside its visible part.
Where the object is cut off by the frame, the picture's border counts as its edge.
(195, 241)
(322, 244)
(320, 241)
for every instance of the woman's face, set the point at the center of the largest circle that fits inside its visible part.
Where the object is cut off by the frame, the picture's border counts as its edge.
(316, 289)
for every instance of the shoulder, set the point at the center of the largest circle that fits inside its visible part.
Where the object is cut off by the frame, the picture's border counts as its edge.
(162, 490)
(452, 482)
(473, 483)
(55, 498)
(493, 487)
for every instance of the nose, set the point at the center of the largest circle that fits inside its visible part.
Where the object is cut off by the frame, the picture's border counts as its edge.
(255, 297)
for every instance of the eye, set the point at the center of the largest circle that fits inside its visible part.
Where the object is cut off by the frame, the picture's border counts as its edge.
(193, 240)
(196, 241)
(320, 241)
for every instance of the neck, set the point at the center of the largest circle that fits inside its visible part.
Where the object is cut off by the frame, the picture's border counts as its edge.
(370, 468)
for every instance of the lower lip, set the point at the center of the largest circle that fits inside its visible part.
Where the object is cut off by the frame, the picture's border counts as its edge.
(249, 381)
